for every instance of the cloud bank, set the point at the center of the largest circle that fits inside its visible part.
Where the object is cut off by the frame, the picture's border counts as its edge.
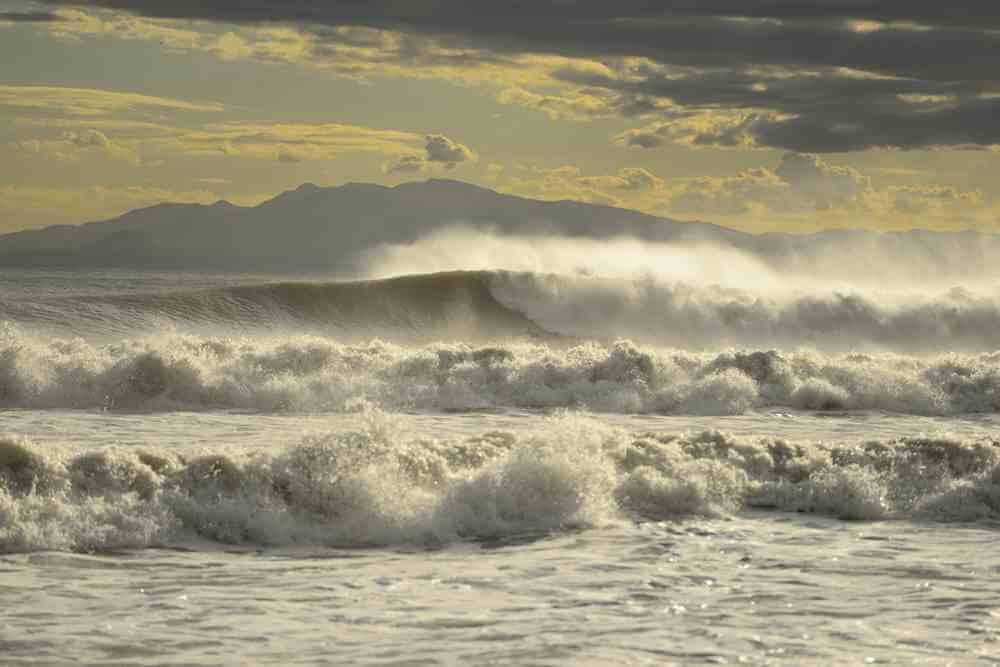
(802, 192)
(816, 77)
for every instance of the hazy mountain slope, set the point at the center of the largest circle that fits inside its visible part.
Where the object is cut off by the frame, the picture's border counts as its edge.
(317, 228)
(311, 227)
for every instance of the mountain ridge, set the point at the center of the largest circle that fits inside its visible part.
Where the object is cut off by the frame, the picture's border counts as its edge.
(330, 228)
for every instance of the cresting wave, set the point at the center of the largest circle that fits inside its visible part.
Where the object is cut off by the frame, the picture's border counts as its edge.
(500, 305)
(313, 374)
(706, 316)
(452, 305)
(375, 486)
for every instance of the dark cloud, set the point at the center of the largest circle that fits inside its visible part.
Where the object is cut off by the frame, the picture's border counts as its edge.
(967, 125)
(439, 150)
(643, 139)
(677, 31)
(795, 65)
(29, 17)
(820, 111)
(456, 13)
(825, 185)
(442, 149)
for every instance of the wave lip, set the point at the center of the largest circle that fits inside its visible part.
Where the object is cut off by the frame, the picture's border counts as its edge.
(706, 316)
(376, 486)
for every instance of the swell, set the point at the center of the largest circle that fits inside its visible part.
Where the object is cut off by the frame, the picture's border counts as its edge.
(444, 305)
(503, 305)
(376, 486)
(322, 374)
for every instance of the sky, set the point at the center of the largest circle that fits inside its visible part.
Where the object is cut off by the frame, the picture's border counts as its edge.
(761, 115)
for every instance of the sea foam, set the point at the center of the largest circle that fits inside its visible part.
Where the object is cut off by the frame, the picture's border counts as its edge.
(298, 373)
(376, 485)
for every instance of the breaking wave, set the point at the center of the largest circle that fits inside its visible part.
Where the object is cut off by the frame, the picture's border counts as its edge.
(709, 316)
(504, 305)
(444, 305)
(377, 486)
(321, 374)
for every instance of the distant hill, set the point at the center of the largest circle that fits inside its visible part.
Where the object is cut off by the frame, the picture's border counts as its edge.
(327, 228)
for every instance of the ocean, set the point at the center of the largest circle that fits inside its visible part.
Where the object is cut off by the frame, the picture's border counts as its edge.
(503, 467)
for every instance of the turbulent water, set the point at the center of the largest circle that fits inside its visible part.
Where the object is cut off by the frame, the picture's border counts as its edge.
(496, 467)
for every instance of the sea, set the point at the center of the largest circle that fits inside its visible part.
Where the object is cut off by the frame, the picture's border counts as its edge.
(496, 466)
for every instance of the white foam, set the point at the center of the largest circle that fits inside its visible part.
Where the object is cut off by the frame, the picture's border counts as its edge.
(309, 374)
(785, 313)
(377, 485)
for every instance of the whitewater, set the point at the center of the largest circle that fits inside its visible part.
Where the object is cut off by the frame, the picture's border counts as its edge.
(509, 453)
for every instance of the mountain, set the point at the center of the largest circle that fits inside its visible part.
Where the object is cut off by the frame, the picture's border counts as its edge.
(329, 228)
(314, 227)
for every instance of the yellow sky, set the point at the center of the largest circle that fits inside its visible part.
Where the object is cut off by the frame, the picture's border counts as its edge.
(102, 110)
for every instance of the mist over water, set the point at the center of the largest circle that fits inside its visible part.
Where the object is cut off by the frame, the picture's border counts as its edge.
(821, 265)
(704, 296)
(466, 249)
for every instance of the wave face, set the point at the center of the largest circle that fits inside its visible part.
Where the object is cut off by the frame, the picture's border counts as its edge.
(376, 486)
(309, 373)
(502, 305)
(444, 305)
(525, 340)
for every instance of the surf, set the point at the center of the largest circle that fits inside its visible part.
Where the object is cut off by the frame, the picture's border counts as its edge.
(376, 484)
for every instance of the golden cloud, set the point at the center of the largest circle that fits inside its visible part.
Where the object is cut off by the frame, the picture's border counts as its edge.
(92, 101)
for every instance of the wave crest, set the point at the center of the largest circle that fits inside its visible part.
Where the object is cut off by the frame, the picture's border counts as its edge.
(501, 305)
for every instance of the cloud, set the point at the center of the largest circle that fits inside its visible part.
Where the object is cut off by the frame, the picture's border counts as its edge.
(821, 184)
(81, 131)
(285, 142)
(86, 123)
(73, 146)
(93, 102)
(826, 76)
(631, 179)
(931, 200)
(802, 192)
(566, 182)
(715, 129)
(752, 191)
(408, 164)
(484, 14)
(297, 141)
(806, 192)
(801, 183)
(442, 149)
(571, 104)
(344, 50)
(438, 150)
(75, 25)
(288, 157)
(650, 138)
(28, 17)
